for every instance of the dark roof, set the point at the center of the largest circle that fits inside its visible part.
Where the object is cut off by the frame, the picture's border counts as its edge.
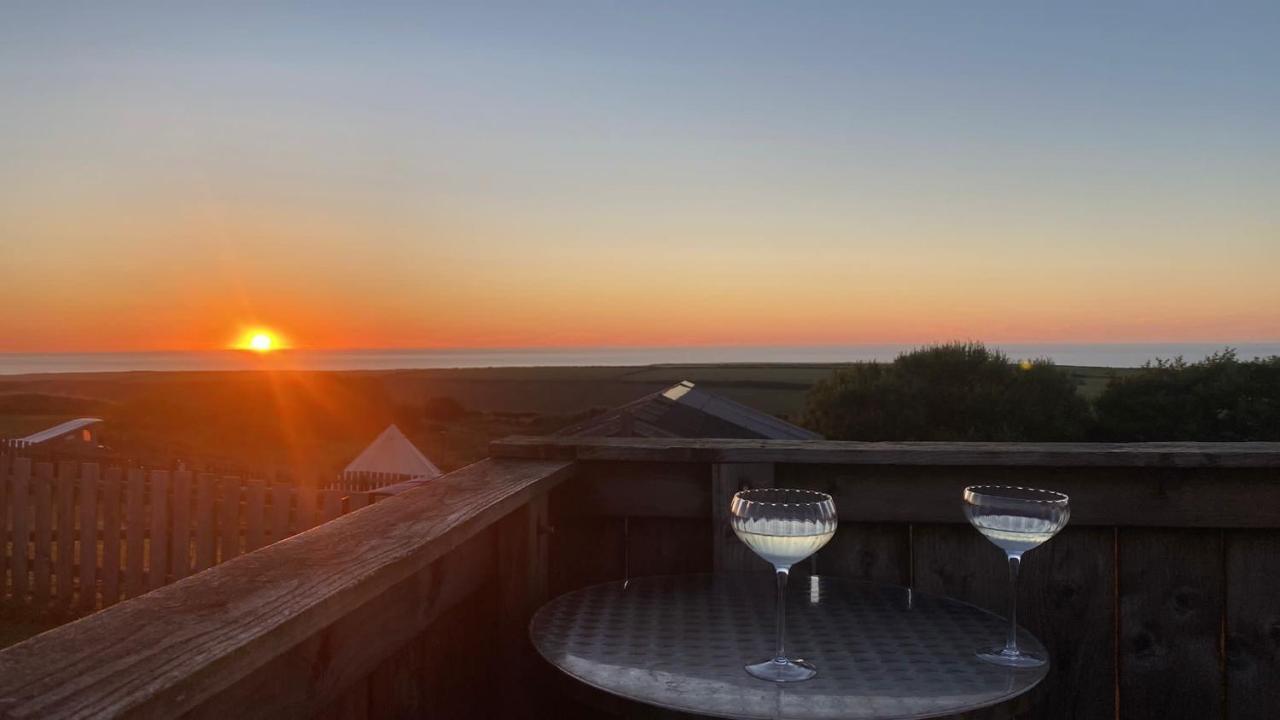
(686, 411)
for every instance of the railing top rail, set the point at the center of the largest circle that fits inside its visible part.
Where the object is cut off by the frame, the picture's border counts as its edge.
(705, 450)
(162, 654)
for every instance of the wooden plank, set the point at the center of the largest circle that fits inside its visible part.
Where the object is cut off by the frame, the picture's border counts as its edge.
(642, 489)
(330, 505)
(1171, 622)
(229, 519)
(135, 524)
(522, 558)
(206, 521)
(305, 508)
(281, 493)
(1099, 496)
(729, 554)
(20, 506)
(668, 546)
(981, 454)
(357, 500)
(238, 617)
(1253, 623)
(1066, 598)
(180, 545)
(254, 506)
(88, 589)
(68, 472)
(158, 557)
(42, 551)
(876, 552)
(6, 464)
(111, 493)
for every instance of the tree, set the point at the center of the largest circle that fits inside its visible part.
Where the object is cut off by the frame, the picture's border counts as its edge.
(956, 391)
(1219, 399)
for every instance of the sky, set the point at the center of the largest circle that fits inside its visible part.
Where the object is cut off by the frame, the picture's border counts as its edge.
(637, 174)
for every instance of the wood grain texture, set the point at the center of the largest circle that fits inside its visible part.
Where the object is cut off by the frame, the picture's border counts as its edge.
(206, 521)
(1066, 598)
(112, 490)
(158, 532)
(135, 520)
(88, 595)
(1171, 612)
(728, 553)
(68, 472)
(148, 660)
(20, 509)
(1190, 455)
(42, 554)
(1253, 623)
(180, 547)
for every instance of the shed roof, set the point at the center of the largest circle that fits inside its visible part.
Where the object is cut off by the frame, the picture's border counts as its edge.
(391, 452)
(59, 430)
(687, 411)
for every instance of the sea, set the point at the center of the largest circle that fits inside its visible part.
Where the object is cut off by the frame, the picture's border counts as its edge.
(1097, 354)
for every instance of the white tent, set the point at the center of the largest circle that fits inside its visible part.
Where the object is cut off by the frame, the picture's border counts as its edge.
(392, 453)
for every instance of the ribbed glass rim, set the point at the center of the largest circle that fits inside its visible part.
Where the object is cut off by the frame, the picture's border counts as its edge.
(747, 496)
(1018, 493)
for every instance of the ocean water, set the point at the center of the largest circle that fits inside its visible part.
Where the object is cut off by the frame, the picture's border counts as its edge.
(1107, 355)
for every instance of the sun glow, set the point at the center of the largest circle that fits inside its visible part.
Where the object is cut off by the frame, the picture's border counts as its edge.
(259, 340)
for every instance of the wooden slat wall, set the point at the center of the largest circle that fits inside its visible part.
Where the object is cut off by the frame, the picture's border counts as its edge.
(81, 538)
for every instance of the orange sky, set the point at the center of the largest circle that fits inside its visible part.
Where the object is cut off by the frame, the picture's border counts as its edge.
(502, 179)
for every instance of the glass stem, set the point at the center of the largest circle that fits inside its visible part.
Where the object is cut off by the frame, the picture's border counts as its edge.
(1011, 645)
(780, 656)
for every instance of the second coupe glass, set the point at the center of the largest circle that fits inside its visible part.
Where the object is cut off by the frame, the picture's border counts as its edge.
(783, 527)
(1015, 519)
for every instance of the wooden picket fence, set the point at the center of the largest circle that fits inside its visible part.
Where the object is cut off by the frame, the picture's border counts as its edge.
(362, 481)
(81, 537)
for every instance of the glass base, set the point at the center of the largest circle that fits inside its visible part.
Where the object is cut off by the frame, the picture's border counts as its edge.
(1019, 659)
(781, 671)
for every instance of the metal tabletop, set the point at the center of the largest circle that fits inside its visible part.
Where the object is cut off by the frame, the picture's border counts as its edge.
(679, 643)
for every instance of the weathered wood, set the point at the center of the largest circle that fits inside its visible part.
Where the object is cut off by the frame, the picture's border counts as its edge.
(330, 505)
(729, 554)
(1253, 623)
(355, 501)
(42, 553)
(66, 500)
(229, 519)
(254, 505)
(1171, 610)
(6, 464)
(88, 590)
(135, 519)
(320, 670)
(143, 659)
(158, 564)
(280, 496)
(1150, 455)
(1099, 496)
(111, 492)
(19, 506)
(180, 549)
(206, 528)
(662, 546)
(305, 508)
(877, 552)
(1066, 598)
(641, 489)
(522, 588)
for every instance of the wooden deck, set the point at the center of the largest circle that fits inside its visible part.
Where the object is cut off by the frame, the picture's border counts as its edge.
(1161, 600)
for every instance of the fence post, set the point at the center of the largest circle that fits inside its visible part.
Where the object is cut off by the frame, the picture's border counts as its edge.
(89, 536)
(110, 537)
(159, 529)
(18, 502)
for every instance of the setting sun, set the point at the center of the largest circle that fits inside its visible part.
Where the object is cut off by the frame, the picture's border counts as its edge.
(259, 340)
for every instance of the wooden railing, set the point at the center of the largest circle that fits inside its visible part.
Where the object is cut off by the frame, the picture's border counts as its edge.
(78, 537)
(1159, 601)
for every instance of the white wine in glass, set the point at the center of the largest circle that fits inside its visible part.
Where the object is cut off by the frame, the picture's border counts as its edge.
(1015, 519)
(783, 527)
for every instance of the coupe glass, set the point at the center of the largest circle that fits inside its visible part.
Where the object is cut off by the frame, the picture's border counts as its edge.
(783, 527)
(1015, 519)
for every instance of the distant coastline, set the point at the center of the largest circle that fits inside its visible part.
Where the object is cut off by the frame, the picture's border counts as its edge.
(1117, 355)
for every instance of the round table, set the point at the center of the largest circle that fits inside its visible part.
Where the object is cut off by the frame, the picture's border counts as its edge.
(679, 643)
